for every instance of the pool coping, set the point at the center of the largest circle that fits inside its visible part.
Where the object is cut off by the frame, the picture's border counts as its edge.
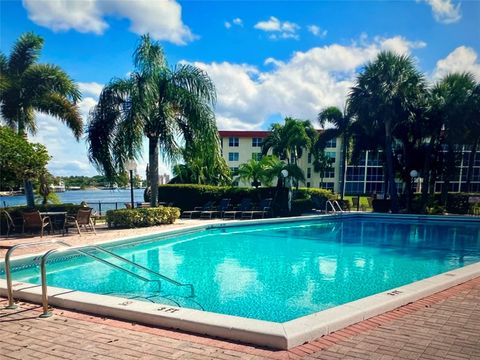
(269, 334)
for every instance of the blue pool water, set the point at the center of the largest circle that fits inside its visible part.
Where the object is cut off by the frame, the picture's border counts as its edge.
(278, 272)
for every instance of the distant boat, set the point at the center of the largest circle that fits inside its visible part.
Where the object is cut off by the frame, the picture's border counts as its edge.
(58, 188)
(74, 188)
(113, 187)
(11, 193)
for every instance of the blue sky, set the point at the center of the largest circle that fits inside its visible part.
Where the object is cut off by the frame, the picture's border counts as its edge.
(268, 59)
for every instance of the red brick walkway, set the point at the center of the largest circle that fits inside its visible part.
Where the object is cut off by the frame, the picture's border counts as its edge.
(442, 326)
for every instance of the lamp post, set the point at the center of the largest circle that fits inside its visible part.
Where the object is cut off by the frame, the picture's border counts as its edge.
(131, 166)
(413, 176)
(284, 173)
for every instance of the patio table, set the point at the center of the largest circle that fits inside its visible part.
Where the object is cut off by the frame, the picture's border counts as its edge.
(57, 219)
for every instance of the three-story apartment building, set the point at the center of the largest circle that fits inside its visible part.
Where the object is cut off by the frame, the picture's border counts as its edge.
(365, 177)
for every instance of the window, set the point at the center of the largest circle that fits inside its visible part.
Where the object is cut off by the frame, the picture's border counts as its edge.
(257, 156)
(233, 156)
(355, 173)
(309, 158)
(309, 173)
(332, 143)
(329, 174)
(308, 184)
(233, 142)
(235, 183)
(331, 155)
(327, 185)
(257, 142)
(234, 170)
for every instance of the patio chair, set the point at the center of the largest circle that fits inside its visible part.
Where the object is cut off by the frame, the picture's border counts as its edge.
(189, 214)
(245, 205)
(222, 207)
(8, 221)
(263, 210)
(83, 218)
(319, 203)
(32, 220)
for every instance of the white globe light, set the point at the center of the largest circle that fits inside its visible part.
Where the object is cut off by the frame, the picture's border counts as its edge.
(131, 165)
(414, 173)
(284, 173)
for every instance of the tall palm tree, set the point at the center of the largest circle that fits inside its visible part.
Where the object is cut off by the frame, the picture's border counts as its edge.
(342, 127)
(253, 170)
(454, 102)
(384, 95)
(166, 105)
(27, 87)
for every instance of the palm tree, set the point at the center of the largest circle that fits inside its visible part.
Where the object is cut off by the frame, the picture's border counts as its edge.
(385, 94)
(289, 140)
(322, 164)
(342, 123)
(457, 123)
(201, 166)
(164, 104)
(274, 167)
(27, 87)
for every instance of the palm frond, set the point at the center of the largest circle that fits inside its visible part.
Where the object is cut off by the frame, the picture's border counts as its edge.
(25, 52)
(41, 79)
(60, 107)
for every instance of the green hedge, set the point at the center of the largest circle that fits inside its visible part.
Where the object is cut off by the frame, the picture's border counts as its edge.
(141, 217)
(16, 214)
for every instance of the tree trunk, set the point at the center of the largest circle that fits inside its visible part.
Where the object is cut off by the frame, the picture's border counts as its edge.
(390, 172)
(426, 175)
(153, 168)
(27, 184)
(344, 162)
(447, 174)
(471, 159)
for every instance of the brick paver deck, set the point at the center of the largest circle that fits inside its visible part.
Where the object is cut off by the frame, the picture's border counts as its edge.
(445, 325)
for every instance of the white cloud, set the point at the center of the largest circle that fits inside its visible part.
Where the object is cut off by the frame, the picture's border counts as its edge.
(162, 19)
(300, 86)
(399, 44)
(278, 29)
(236, 21)
(444, 11)
(91, 88)
(317, 31)
(459, 60)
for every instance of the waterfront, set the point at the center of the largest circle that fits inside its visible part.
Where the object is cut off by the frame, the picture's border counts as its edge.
(106, 199)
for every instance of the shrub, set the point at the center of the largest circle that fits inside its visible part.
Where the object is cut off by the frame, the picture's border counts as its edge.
(141, 217)
(381, 205)
(307, 193)
(301, 206)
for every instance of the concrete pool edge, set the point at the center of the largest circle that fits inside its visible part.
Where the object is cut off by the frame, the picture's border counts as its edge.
(258, 332)
(282, 336)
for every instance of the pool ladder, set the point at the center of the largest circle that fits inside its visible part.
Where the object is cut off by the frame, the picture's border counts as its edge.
(332, 205)
(43, 270)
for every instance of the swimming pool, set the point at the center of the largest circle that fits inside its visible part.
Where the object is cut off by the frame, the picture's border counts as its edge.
(278, 271)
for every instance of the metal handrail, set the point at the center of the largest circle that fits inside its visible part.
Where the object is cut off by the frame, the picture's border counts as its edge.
(166, 278)
(338, 204)
(43, 262)
(8, 273)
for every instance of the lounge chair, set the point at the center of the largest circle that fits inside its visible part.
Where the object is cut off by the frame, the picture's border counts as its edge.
(189, 214)
(319, 203)
(245, 205)
(222, 207)
(32, 220)
(264, 209)
(83, 218)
